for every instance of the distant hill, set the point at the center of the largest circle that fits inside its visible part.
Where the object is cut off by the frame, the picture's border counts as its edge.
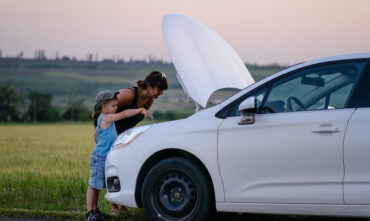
(81, 80)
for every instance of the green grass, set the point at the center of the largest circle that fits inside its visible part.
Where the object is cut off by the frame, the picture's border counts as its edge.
(46, 168)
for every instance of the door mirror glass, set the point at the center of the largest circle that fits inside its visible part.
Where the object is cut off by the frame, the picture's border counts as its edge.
(247, 109)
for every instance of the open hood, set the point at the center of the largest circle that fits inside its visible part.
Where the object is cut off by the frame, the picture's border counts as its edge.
(204, 61)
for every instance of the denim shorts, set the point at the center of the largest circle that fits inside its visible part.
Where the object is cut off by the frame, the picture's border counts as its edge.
(97, 172)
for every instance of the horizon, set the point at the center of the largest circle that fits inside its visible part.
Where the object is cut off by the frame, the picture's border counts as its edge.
(145, 59)
(261, 32)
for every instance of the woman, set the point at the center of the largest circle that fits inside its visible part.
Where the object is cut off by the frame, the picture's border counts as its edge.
(141, 96)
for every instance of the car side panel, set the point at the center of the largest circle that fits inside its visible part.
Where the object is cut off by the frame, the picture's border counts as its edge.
(280, 159)
(302, 209)
(357, 158)
(197, 136)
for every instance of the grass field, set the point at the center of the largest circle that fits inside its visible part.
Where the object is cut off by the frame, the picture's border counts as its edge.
(46, 168)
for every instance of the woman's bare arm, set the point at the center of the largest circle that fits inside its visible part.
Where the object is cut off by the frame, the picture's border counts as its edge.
(125, 97)
(109, 118)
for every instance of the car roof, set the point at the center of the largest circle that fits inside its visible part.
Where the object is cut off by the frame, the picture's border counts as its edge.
(323, 60)
(338, 58)
(296, 67)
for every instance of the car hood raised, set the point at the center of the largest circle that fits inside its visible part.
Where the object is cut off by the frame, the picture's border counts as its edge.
(204, 61)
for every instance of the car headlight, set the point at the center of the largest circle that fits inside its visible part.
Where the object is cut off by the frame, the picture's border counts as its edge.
(129, 136)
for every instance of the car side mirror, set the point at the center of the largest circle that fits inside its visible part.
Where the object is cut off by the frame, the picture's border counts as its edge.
(247, 109)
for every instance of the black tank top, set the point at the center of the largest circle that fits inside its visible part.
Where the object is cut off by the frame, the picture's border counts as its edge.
(128, 122)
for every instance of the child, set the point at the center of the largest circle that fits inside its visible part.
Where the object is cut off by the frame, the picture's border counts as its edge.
(104, 112)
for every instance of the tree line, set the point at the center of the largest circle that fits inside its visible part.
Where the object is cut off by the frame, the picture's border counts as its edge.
(36, 107)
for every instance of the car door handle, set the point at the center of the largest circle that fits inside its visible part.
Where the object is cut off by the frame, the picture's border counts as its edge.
(325, 128)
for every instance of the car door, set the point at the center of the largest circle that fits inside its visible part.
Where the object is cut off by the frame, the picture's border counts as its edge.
(357, 147)
(293, 152)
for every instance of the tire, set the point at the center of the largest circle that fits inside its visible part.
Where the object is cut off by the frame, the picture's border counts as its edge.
(178, 189)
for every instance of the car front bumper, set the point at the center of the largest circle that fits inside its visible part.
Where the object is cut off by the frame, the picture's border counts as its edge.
(122, 163)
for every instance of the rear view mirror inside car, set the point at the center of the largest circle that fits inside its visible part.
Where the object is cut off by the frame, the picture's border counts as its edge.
(314, 81)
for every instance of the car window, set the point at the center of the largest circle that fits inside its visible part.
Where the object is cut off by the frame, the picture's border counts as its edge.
(259, 97)
(332, 101)
(360, 95)
(320, 88)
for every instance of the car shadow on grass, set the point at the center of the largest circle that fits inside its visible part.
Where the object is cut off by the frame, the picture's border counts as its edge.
(139, 215)
(261, 217)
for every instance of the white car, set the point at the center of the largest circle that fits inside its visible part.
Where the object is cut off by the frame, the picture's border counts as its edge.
(295, 142)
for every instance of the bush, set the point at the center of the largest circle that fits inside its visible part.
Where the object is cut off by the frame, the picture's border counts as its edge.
(40, 108)
(80, 112)
(10, 104)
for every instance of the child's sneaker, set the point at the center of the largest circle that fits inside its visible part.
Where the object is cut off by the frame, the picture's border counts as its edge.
(100, 214)
(90, 216)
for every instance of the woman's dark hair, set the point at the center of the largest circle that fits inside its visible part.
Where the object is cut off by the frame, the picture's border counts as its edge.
(154, 79)
(95, 116)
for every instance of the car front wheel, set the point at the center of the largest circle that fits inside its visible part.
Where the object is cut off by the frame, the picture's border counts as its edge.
(178, 189)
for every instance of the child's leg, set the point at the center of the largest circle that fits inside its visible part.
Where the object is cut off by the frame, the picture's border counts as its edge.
(96, 181)
(92, 197)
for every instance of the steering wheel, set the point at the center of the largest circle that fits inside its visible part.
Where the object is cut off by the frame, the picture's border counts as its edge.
(298, 102)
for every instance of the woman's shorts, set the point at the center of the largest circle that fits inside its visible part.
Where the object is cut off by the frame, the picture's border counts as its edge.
(97, 172)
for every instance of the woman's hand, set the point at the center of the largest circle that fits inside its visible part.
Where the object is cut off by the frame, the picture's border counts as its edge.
(147, 113)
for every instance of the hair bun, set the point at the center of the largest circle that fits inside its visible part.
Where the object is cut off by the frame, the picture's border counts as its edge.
(141, 83)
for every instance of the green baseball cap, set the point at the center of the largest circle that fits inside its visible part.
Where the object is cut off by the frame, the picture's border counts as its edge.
(103, 97)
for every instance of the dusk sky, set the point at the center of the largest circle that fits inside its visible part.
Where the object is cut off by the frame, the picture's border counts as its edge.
(261, 31)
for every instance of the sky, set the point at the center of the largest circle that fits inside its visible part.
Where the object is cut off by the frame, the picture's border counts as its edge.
(261, 31)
